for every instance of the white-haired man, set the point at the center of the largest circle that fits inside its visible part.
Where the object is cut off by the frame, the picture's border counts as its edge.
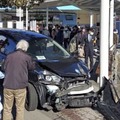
(16, 67)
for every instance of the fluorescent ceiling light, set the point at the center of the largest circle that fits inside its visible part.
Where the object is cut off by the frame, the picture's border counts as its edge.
(68, 7)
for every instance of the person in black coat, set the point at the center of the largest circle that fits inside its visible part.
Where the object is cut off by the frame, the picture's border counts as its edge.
(60, 36)
(73, 32)
(88, 47)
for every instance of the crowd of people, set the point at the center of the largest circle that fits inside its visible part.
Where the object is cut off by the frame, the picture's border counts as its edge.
(81, 40)
(85, 39)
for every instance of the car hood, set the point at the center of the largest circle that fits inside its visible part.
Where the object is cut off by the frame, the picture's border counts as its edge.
(66, 67)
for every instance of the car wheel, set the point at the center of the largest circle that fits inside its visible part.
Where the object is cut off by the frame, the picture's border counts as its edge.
(42, 91)
(31, 98)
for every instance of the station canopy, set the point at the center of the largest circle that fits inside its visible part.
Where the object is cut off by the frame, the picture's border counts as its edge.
(90, 5)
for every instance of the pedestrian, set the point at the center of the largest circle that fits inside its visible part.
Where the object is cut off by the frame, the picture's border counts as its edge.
(60, 36)
(46, 31)
(115, 37)
(73, 32)
(80, 43)
(88, 47)
(66, 34)
(16, 67)
(53, 33)
(76, 45)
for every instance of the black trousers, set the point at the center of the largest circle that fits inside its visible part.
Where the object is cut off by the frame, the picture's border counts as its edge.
(88, 54)
(66, 42)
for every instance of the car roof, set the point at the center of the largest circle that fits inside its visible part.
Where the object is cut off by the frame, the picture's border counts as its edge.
(18, 34)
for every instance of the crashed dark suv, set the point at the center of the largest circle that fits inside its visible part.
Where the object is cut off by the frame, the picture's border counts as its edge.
(60, 80)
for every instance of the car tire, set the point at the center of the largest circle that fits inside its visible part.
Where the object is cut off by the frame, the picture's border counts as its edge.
(31, 98)
(42, 91)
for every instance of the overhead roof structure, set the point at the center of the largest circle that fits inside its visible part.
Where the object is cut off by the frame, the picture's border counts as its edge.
(90, 5)
(94, 5)
(54, 3)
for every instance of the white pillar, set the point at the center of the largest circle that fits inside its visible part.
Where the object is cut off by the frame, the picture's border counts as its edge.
(9, 24)
(104, 46)
(20, 14)
(111, 23)
(115, 20)
(98, 18)
(91, 19)
(19, 24)
(47, 17)
(1, 24)
(34, 25)
(26, 18)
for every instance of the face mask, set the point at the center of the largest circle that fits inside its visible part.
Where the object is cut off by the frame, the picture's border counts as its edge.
(83, 30)
(91, 33)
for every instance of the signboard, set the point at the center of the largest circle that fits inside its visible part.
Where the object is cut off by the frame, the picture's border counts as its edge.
(19, 12)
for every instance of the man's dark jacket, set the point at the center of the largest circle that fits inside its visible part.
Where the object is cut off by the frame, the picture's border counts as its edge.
(16, 66)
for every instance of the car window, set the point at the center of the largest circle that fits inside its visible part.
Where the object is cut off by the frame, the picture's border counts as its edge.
(10, 47)
(45, 48)
(7, 45)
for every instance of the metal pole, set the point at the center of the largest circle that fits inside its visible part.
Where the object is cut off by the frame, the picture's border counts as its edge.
(114, 20)
(1, 14)
(111, 23)
(20, 14)
(26, 18)
(104, 46)
(47, 17)
(91, 19)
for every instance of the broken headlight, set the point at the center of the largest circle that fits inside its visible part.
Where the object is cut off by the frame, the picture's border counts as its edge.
(49, 76)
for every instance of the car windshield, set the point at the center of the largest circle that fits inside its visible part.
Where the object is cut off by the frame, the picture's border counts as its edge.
(46, 48)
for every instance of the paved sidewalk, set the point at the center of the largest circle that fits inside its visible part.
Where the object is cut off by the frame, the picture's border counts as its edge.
(36, 115)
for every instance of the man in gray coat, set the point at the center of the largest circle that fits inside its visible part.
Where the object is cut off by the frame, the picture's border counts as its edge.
(16, 66)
